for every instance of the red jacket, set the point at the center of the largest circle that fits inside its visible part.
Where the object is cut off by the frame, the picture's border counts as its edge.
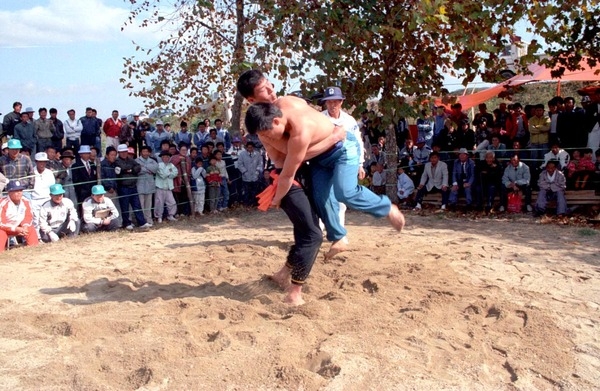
(512, 127)
(112, 128)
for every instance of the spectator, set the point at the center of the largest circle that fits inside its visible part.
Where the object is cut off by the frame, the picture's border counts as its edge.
(25, 132)
(402, 133)
(421, 153)
(183, 164)
(213, 177)
(73, 128)
(145, 181)
(439, 124)
(483, 115)
(223, 134)
(237, 185)
(155, 139)
(90, 128)
(425, 127)
(84, 173)
(65, 176)
(201, 135)
(570, 126)
(463, 177)
(517, 125)
(516, 179)
(198, 186)
(164, 188)
(17, 166)
(99, 212)
(183, 136)
(44, 130)
(580, 169)
(497, 147)
(465, 136)
(16, 218)
(109, 179)
(434, 179)
(127, 171)
(251, 168)
(552, 184)
(224, 189)
(59, 131)
(53, 163)
(126, 134)
(379, 178)
(489, 180)
(559, 155)
(539, 130)
(11, 119)
(58, 217)
(405, 185)
(553, 115)
(43, 180)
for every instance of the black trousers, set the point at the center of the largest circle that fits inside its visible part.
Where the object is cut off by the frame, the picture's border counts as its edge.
(308, 236)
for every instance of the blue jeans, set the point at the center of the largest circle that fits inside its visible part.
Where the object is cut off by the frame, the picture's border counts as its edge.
(468, 195)
(335, 179)
(128, 196)
(224, 197)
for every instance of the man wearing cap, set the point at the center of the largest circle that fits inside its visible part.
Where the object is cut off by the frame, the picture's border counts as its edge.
(145, 181)
(65, 175)
(127, 171)
(57, 217)
(25, 132)
(99, 212)
(463, 177)
(90, 128)
(16, 218)
(84, 173)
(154, 139)
(11, 119)
(44, 130)
(44, 178)
(73, 128)
(183, 137)
(16, 165)
(112, 129)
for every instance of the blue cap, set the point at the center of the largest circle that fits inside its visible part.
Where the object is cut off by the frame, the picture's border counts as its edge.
(13, 143)
(332, 93)
(98, 190)
(14, 185)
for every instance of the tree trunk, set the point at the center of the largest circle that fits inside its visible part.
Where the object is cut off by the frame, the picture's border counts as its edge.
(239, 56)
(236, 113)
(391, 150)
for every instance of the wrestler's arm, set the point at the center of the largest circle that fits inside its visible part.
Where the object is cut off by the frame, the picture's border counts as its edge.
(277, 158)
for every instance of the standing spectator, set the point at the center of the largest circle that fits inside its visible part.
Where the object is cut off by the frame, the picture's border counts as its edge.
(553, 115)
(237, 182)
(16, 218)
(59, 131)
(552, 184)
(570, 126)
(439, 123)
(73, 128)
(65, 176)
(109, 179)
(126, 135)
(517, 125)
(58, 217)
(180, 190)
(232, 173)
(11, 119)
(17, 166)
(155, 138)
(463, 177)
(224, 189)
(198, 186)
(53, 163)
(201, 135)
(99, 212)
(139, 139)
(183, 137)
(164, 188)
(213, 177)
(434, 179)
(456, 114)
(465, 136)
(402, 133)
(483, 114)
(127, 171)
(516, 178)
(223, 134)
(251, 166)
(145, 182)
(112, 129)
(497, 147)
(84, 173)
(539, 130)
(44, 130)
(425, 127)
(90, 128)
(25, 132)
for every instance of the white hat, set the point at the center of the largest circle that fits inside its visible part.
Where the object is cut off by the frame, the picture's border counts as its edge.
(159, 122)
(41, 157)
(84, 149)
(122, 148)
(463, 150)
(4, 145)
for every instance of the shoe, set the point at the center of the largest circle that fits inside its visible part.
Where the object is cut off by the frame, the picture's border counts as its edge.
(147, 225)
(443, 207)
(529, 208)
(222, 209)
(501, 209)
(171, 218)
(418, 206)
(158, 221)
(129, 227)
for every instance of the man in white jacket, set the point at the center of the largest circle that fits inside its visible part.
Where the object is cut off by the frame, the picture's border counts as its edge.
(73, 128)
(57, 216)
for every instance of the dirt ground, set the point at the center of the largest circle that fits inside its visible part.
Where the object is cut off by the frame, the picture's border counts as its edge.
(450, 304)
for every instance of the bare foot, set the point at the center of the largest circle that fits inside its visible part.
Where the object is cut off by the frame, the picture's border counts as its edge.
(337, 247)
(396, 218)
(294, 295)
(282, 277)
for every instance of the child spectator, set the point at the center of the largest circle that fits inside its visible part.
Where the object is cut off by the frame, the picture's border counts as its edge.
(164, 188)
(213, 177)
(198, 186)
(224, 190)
(405, 185)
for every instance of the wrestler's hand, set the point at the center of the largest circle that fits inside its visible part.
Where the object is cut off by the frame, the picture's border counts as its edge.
(275, 203)
(339, 133)
(361, 173)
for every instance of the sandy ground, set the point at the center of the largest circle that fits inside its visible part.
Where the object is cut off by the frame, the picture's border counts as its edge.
(450, 304)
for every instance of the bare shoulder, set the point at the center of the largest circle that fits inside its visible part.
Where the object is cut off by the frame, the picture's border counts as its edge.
(290, 102)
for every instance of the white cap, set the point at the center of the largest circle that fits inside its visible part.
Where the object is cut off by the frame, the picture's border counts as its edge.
(122, 148)
(41, 157)
(4, 145)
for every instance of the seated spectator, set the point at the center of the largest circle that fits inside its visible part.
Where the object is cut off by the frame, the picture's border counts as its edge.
(16, 165)
(44, 178)
(58, 217)
(377, 156)
(379, 178)
(497, 147)
(164, 188)
(463, 177)
(581, 169)
(99, 212)
(558, 154)
(490, 180)
(405, 186)
(516, 178)
(552, 184)
(16, 218)
(434, 179)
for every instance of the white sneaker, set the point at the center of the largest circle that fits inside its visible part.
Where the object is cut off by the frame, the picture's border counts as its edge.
(147, 225)
(529, 208)
(443, 207)
(501, 209)
(171, 218)
(158, 221)
(418, 207)
(129, 227)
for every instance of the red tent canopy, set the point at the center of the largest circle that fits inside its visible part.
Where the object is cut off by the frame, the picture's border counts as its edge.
(538, 73)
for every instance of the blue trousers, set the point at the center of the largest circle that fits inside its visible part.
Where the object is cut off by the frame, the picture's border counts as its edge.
(224, 197)
(468, 194)
(334, 180)
(128, 196)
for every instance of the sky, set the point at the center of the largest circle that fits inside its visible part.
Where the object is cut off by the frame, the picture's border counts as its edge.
(69, 54)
